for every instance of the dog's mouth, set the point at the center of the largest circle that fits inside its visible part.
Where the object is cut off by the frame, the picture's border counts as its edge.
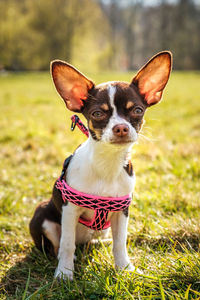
(121, 142)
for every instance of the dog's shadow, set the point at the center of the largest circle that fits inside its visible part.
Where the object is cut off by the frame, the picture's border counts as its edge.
(35, 272)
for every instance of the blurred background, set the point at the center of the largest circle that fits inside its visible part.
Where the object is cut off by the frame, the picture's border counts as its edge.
(106, 40)
(101, 34)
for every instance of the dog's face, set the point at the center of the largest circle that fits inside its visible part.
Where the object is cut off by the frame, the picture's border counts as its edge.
(114, 110)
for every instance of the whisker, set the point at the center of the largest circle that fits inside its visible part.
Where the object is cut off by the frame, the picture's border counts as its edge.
(147, 138)
(146, 127)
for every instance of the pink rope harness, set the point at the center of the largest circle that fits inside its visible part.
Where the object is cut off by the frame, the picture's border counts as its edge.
(101, 205)
(76, 121)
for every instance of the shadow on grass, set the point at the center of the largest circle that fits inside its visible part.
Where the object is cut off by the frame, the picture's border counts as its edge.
(41, 270)
(179, 240)
(35, 273)
(32, 276)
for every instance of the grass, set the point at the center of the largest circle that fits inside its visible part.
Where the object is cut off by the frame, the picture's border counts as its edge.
(164, 228)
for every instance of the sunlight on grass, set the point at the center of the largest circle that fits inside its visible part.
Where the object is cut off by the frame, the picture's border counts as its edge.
(164, 228)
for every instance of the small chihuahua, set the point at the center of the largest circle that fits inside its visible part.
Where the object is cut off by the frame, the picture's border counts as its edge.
(97, 180)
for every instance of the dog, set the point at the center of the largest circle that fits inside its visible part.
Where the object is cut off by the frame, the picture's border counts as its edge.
(100, 168)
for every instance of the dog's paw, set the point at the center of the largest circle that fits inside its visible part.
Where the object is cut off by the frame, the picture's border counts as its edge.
(131, 268)
(127, 266)
(63, 274)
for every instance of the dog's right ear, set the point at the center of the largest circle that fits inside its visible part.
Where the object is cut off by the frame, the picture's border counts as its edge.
(72, 85)
(153, 77)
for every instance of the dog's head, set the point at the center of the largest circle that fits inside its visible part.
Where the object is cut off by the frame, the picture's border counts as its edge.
(114, 110)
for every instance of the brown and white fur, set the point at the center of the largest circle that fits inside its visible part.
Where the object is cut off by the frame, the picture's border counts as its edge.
(100, 166)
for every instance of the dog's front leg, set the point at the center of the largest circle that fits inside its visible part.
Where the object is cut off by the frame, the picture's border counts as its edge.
(70, 215)
(119, 223)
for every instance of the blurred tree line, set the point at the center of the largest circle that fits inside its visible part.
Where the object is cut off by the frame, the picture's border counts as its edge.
(101, 34)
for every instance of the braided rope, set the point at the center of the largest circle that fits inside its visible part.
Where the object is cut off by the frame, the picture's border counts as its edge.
(101, 205)
(77, 122)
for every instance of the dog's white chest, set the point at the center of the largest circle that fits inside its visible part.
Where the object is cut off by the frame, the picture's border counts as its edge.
(99, 173)
(105, 176)
(121, 186)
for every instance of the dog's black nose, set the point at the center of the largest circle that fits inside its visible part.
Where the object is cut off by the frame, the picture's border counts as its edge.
(120, 130)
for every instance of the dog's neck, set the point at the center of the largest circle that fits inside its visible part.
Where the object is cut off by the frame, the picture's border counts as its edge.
(98, 168)
(107, 160)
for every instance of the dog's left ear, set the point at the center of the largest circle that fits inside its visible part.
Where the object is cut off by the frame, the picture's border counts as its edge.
(152, 78)
(71, 84)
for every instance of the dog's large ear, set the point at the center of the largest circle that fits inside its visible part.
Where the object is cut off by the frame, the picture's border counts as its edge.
(152, 78)
(72, 85)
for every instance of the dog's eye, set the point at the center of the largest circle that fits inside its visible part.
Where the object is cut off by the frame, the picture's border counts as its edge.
(97, 114)
(138, 111)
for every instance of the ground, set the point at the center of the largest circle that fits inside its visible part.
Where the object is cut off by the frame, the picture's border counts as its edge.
(164, 228)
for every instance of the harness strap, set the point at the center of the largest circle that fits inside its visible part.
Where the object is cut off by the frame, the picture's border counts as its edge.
(65, 166)
(76, 121)
(98, 222)
(101, 205)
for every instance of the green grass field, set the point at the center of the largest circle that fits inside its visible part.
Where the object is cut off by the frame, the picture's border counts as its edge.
(164, 226)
